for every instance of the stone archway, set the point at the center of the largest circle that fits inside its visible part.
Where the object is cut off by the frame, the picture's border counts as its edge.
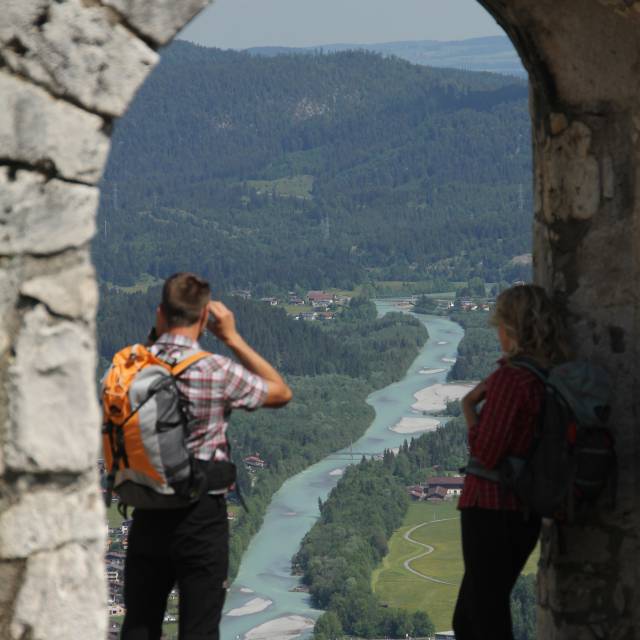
(68, 68)
(583, 59)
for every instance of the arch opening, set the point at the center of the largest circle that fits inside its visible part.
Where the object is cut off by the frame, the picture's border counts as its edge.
(69, 68)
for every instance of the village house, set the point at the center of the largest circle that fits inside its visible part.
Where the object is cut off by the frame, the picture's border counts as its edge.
(308, 316)
(416, 492)
(245, 294)
(320, 298)
(452, 485)
(437, 494)
(113, 575)
(254, 462)
(272, 301)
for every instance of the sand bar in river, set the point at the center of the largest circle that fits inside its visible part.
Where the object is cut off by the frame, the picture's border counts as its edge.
(434, 399)
(255, 605)
(287, 627)
(415, 425)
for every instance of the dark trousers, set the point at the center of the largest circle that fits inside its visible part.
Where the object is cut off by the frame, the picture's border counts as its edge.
(184, 547)
(495, 548)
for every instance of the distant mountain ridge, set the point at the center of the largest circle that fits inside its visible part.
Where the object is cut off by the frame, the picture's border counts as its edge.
(493, 53)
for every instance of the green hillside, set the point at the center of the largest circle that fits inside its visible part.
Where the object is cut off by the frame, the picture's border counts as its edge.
(315, 170)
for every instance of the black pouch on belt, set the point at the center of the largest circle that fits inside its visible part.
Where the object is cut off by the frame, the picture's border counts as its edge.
(220, 474)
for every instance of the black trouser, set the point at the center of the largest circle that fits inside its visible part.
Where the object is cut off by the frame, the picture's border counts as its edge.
(495, 548)
(188, 547)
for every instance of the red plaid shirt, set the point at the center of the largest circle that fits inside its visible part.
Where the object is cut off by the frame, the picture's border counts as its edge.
(504, 428)
(214, 386)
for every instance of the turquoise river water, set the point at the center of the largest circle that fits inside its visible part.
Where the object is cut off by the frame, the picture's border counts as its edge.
(265, 571)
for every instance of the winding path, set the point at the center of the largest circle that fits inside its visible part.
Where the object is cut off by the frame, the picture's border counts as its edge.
(428, 550)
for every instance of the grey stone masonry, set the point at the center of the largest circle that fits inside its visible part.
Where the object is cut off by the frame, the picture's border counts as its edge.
(585, 105)
(67, 68)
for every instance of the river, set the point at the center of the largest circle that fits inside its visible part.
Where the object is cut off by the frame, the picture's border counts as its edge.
(264, 574)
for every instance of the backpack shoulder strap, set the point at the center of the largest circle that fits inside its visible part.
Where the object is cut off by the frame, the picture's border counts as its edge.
(186, 361)
(530, 365)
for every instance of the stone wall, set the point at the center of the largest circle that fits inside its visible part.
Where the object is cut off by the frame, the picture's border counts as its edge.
(582, 57)
(67, 69)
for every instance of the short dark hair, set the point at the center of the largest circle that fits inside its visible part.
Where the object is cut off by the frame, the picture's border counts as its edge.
(184, 295)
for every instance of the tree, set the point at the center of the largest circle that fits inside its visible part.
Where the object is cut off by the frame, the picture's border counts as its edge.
(328, 627)
(422, 625)
(523, 608)
(424, 304)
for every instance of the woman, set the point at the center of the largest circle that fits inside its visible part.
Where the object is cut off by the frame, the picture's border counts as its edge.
(497, 536)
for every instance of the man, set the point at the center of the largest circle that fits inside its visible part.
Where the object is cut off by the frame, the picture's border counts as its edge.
(189, 546)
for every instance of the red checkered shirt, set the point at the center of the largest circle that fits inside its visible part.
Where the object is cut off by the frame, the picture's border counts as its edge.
(504, 428)
(214, 386)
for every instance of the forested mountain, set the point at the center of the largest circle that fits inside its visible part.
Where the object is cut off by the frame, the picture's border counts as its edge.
(315, 170)
(492, 53)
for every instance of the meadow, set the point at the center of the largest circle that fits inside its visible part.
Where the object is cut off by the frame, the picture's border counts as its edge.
(397, 587)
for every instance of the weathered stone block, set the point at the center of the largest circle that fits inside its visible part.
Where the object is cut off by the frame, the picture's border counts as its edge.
(63, 596)
(77, 50)
(39, 130)
(608, 178)
(589, 546)
(71, 293)
(11, 572)
(41, 217)
(571, 176)
(54, 420)
(159, 20)
(558, 123)
(47, 519)
(573, 592)
(8, 298)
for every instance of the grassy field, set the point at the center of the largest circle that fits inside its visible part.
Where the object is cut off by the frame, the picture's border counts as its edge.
(294, 187)
(397, 587)
(113, 516)
(144, 282)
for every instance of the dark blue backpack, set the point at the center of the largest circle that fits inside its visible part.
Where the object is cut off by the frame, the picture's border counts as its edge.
(572, 458)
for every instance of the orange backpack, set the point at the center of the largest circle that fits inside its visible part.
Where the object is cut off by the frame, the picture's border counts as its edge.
(146, 421)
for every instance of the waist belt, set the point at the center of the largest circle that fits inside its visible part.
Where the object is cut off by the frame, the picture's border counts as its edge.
(505, 473)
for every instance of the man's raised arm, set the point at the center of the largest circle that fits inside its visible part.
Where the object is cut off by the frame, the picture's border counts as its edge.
(223, 325)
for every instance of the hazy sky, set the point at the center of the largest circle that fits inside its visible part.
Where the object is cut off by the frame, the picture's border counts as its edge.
(238, 24)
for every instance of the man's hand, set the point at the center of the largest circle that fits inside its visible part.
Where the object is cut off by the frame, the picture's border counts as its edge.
(223, 325)
(222, 322)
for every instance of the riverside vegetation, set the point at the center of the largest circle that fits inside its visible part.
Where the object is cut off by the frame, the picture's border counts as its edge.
(478, 350)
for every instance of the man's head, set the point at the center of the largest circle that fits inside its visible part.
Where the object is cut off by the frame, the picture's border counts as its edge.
(184, 300)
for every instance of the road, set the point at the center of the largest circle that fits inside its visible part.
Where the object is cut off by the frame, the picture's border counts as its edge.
(428, 549)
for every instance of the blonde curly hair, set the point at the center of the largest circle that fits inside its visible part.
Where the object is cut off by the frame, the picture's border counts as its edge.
(534, 322)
